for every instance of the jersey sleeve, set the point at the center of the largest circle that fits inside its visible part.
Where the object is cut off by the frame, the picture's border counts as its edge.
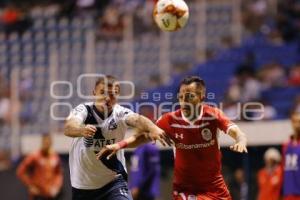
(164, 123)
(22, 170)
(224, 123)
(124, 113)
(80, 113)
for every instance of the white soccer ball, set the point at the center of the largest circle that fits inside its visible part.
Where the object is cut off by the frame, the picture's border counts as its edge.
(171, 15)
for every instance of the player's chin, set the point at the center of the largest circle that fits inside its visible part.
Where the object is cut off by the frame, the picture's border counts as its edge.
(186, 110)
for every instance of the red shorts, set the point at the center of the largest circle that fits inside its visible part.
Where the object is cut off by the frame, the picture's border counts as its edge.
(291, 197)
(217, 190)
(204, 196)
(217, 194)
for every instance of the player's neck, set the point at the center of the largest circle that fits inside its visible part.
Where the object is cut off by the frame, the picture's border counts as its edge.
(102, 111)
(45, 152)
(192, 117)
(296, 135)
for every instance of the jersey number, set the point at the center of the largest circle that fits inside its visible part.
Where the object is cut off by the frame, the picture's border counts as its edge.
(291, 162)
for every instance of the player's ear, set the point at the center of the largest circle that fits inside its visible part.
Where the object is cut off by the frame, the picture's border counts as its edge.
(117, 89)
(94, 92)
(203, 94)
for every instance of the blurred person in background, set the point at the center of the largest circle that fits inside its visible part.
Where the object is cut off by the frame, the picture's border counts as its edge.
(296, 106)
(291, 162)
(111, 24)
(272, 75)
(269, 177)
(13, 19)
(41, 172)
(244, 87)
(239, 186)
(294, 75)
(144, 181)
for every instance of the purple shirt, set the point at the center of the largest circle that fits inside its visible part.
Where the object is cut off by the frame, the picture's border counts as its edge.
(145, 170)
(291, 180)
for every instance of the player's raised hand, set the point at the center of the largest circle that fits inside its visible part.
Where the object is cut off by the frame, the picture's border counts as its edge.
(160, 135)
(239, 147)
(108, 151)
(88, 130)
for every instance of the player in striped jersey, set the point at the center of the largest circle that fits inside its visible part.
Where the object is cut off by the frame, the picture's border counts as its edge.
(94, 125)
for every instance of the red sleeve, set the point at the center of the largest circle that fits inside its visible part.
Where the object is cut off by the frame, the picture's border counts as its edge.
(164, 123)
(224, 123)
(58, 180)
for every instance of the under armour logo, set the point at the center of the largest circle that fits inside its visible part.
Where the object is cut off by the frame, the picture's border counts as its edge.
(179, 135)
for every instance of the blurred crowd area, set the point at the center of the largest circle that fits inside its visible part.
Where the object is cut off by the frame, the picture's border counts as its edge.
(109, 15)
(278, 19)
(249, 85)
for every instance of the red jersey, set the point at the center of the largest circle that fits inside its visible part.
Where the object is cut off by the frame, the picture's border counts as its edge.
(197, 155)
(269, 184)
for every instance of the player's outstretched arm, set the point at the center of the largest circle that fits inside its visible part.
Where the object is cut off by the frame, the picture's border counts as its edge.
(74, 128)
(240, 138)
(148, 128)
(130, 142)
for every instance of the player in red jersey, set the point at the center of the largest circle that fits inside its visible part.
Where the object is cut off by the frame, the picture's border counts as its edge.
(194, 129)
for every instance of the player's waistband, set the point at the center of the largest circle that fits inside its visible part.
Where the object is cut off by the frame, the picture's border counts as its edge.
(116, 182)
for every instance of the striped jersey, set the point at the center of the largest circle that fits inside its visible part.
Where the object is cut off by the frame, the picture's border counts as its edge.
(86, 171)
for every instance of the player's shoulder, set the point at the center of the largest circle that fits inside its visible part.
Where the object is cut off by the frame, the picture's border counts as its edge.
(83, 106)
(121, 111)
(119, 108)
(170, 115)
(35, 155)
(211, 110)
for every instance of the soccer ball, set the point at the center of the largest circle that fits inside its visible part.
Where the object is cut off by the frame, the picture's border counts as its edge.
(171, 15)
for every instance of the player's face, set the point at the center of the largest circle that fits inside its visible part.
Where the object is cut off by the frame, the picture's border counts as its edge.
(296, 122)
(190, 98)
(106, 97)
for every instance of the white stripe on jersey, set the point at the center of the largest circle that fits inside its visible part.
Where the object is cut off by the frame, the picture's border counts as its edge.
(190, 125)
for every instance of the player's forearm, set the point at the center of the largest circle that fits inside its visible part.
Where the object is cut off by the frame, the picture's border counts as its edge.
(24, 177)
(141, 123)
(73, 129)
(136, 140)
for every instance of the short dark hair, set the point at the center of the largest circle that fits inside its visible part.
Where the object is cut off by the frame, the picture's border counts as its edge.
(109, 79)
(192, 79)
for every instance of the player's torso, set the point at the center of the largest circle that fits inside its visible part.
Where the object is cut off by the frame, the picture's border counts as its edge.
(197, 149)
(292, 168)
(109, 131)
(45, 167)
(83, 152)
(269, 183)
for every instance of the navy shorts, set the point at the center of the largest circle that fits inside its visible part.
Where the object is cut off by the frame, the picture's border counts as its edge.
(115, 190)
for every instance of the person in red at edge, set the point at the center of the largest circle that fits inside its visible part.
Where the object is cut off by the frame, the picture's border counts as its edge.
(194, 129)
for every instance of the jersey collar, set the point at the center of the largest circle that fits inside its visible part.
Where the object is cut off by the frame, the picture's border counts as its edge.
(100, 114)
